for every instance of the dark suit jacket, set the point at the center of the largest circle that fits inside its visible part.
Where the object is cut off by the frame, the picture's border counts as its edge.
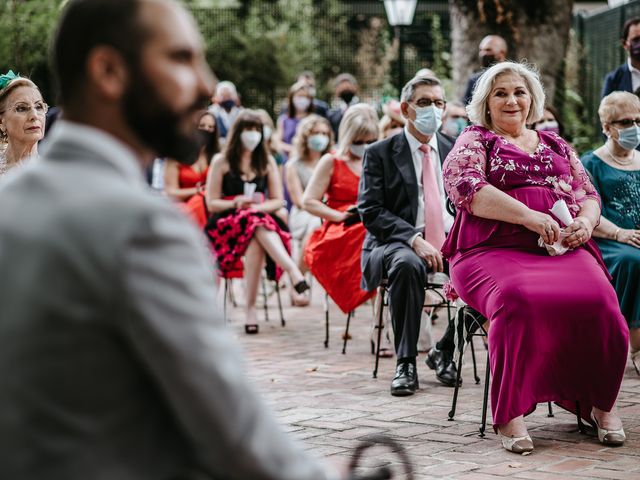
(471, 84)
(388, 200)
(619, 79)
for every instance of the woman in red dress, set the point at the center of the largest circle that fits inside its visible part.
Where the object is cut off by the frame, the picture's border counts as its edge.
(185, 183)
(249, 226)
(333, 251)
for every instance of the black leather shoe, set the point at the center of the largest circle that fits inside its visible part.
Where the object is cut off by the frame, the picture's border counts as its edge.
(406, 380)
(444, 366)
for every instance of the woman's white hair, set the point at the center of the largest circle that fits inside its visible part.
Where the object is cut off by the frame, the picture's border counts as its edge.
(359, 121)
(478, 109)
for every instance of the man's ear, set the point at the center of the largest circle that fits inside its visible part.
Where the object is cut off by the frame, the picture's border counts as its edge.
(107, 72)
(404, 108)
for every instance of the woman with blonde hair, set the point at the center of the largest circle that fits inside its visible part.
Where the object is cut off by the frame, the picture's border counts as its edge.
(22, 120)
(333, 251)
(313, 140)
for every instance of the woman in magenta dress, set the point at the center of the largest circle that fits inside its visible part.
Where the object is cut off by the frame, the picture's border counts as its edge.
(333, 251)
(556, 331)
(244, 226)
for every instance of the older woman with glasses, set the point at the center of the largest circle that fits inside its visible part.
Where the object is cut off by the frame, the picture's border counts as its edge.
(615, 171)
(557, 333)
(22, 119)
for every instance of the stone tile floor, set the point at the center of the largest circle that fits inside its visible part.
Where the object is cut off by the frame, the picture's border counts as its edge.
(331, 402)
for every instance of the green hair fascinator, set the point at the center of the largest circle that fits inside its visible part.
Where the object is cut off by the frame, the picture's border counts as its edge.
(6, 78)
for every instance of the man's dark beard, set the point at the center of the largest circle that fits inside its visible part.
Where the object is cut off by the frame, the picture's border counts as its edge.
(156, 125)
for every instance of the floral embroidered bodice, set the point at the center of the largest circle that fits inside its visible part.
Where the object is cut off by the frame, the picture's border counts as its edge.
(481, 157)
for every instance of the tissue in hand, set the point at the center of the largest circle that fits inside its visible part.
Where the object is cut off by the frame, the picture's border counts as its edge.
(561, 211)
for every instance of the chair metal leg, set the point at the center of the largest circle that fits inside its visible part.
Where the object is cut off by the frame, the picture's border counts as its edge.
(550, 410)
(473, 357)
(485, 399)
(454, 402)
(264, 295)
(380, 326)
(282, 320)
(232, 295)
(346, 333)
(326, 320)
(581, 427)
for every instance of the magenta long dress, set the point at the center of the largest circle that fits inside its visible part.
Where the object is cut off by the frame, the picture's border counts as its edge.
(557, 333)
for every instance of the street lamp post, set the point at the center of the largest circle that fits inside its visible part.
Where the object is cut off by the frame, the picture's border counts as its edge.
(400, 14)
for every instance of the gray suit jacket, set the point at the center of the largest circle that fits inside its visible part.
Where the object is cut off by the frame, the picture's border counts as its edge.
(388, 200)
(115, 362)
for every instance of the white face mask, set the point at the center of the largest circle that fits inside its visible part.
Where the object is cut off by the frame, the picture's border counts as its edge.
(250, 139)
(301, 103)
(357, 150)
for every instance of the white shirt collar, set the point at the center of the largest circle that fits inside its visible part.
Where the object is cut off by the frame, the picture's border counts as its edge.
(415, 144)
(632, 69)
(96, 140)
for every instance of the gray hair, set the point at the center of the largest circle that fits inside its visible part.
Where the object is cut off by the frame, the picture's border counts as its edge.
(358, 121)
(226, 85)
(478, 110)
(409, 89)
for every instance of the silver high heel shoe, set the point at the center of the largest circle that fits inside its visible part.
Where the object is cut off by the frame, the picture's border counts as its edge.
(520, 445)
(609, 437)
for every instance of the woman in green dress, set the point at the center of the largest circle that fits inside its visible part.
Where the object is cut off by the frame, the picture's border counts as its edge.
(615, 171)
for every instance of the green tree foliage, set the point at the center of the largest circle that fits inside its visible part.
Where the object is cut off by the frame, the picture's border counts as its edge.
(25, 29)
(261, 45)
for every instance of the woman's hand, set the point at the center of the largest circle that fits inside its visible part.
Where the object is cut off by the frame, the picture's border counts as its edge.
(629, 236)
(578, 233)
(242, 202)
(544, 225)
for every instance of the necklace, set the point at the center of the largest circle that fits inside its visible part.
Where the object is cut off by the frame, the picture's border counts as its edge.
(617, 160)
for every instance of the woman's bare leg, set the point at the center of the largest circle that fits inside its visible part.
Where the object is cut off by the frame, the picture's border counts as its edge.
(253, 263)
(272, 244)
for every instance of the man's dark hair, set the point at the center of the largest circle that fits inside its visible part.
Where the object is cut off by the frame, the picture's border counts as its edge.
(627, 26)
(86, 24)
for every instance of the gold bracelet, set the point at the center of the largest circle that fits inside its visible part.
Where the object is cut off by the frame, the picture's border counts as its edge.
(615, 237)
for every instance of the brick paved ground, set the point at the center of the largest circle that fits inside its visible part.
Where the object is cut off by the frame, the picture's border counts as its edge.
(330, 401)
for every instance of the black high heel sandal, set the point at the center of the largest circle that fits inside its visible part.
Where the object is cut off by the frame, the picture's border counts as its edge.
(301, 287)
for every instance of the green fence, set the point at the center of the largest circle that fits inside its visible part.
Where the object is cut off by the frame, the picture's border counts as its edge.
(599, 36)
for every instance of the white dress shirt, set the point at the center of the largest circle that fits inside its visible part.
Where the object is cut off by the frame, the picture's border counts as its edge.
(416, 155)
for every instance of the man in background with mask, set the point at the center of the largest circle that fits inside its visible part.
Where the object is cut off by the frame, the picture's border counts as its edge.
(626, 77)
(402, 205)
(492, 49)
(115, 362)
(226, 108)
(455, 119)
(346, 94)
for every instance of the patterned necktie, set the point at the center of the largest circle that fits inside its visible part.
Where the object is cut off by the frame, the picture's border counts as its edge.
(433, 222)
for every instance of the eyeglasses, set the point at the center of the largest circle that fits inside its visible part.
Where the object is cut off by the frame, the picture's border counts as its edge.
(425, 102)
(40, 108)
(627, 122)
(362, 142)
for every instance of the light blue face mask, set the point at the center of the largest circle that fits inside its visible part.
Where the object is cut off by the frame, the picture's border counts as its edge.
(318, 142)
(629, 138)
(428, 119)
(454, 126)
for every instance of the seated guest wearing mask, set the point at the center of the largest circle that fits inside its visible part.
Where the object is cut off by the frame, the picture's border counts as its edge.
(346, 95)
(454, 120)
(402, 206)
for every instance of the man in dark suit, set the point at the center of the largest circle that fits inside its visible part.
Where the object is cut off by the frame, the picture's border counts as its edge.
(406, 222)
(627, 76)
(491, 50)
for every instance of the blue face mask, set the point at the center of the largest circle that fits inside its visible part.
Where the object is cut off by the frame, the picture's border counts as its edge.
(629, 138)
(318, 142)
(357, 150)
(428, 119)
(454, 126)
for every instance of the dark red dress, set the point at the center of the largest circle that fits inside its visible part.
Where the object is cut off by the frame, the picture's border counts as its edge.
(231, 231)
(333, 251)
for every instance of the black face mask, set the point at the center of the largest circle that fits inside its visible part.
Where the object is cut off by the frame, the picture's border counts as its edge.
(487, 60)
(347, 96)
(634, 49)
(156, 125)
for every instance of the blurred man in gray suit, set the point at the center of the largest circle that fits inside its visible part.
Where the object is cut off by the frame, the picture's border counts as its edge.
(114, 361)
